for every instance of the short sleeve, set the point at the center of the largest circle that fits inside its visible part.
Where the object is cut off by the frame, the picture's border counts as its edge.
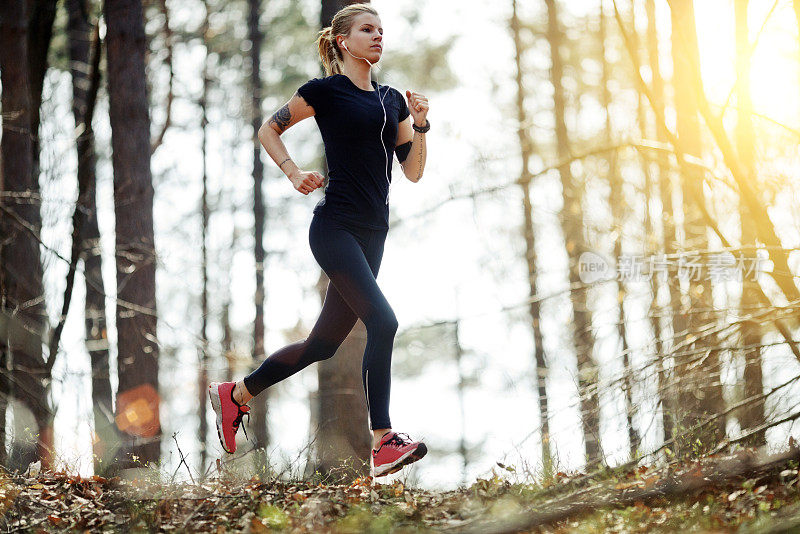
(314, 92)
(402, 106)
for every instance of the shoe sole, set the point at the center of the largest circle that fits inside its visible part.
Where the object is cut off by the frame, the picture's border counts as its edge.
(213, 393)
(408, 458)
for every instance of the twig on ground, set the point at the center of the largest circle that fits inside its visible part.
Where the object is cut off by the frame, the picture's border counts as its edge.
(183, 460)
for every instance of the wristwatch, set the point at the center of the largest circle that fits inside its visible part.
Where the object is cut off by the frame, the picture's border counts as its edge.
(422, 129)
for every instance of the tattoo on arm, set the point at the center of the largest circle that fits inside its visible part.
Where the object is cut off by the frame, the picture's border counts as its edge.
(282, 118)
(419, 171)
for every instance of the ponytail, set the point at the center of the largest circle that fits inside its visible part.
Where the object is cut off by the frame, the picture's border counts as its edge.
(329, 53)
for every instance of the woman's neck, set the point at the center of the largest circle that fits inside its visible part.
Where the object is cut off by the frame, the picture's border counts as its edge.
(359, 73)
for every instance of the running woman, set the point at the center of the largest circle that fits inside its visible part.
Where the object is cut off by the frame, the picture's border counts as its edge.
(362, 125)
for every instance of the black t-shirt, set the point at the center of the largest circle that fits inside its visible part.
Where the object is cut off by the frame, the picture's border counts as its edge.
(359, 167)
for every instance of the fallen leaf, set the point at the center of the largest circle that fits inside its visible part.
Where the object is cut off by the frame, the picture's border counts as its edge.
(732, 497)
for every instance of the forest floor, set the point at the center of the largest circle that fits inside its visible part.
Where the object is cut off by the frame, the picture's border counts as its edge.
(747, 491)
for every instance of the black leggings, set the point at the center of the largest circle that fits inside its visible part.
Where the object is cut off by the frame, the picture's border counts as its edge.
(350, 256)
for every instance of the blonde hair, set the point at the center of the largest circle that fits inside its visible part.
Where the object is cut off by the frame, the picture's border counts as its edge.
(330, 54)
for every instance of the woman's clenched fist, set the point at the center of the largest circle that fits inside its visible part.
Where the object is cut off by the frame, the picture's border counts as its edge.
(306, 181)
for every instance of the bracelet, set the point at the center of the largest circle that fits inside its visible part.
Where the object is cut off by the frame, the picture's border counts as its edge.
(422, 129)
(284, 161)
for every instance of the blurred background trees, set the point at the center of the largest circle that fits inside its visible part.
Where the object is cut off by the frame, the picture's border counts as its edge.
(132, 182)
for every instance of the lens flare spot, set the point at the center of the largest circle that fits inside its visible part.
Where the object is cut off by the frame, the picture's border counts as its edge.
(137, 411)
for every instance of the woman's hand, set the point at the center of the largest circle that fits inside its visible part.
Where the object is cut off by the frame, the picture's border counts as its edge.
(418, 106)
(306, 181)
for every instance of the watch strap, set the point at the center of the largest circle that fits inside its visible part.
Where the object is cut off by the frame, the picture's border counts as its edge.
(422, 129)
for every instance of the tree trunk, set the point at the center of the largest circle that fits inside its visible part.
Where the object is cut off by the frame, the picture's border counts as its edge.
(137, 411)
(699, 386)
(343, 427)
(80, 36)
(572, 225)
(40, 32)
(649, 227)
(617, 202)
(669, 239)
(259, 403)
(229, 351)
(227, 340)
(527, 148)
(202, 430)
(5, 384)
(461, 389)
(752, 415)
(21, 288)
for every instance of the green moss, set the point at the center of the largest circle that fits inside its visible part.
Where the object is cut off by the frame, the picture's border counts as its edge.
(360, 519)
(273, 516)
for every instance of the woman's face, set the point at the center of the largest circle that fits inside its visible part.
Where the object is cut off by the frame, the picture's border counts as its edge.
(365, 38)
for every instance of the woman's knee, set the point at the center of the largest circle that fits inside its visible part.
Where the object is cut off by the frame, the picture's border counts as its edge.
(382, 323)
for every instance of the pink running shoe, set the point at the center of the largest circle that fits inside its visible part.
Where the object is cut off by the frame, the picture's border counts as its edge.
(395, 451)
(229, 413)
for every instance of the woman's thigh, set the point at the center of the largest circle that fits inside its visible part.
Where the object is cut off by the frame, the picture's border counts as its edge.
(341, 256)
(336, 319)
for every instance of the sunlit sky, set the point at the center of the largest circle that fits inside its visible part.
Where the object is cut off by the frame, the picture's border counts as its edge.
(774, 76)
(463, 260)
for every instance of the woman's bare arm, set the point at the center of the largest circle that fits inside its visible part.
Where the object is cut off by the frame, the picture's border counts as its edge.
(295, 110)
(414, 164)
